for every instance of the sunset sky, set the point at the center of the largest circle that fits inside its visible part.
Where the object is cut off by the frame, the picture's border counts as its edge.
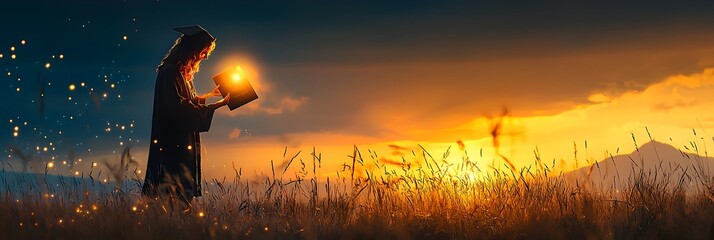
(373, 74)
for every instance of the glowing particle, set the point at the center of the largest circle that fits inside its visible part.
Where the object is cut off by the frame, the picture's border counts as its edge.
(12, 48)
(72, 87)
(105, 180)
(133, 208)
(9, 73)
(17, 128)
(112, 86)
(61, 56)
(122, 127)
(14, 134)
(64, 162)
(23, 42)
(13, 56)
(81, 84)
(44, 149)
(121, 143)
(76, 173)
(60, 221)
(47, 65)
(1, 55)
(94, 207)
(17, 89)
(104, 95)
(190, 147)
(138, 171)
(94, 164)
(156, 141)
(201, 214)
(69, 98)
(125, 38)
(266, 229)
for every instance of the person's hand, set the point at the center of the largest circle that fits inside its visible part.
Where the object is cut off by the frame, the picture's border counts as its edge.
(213, 93)
(223, 102)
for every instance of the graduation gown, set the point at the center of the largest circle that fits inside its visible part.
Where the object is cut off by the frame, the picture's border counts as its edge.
(174, 165)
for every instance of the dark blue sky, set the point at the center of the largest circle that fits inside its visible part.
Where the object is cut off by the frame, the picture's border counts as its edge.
(329, 63)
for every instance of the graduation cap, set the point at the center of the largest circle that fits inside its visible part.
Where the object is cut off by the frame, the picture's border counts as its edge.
(195, 32)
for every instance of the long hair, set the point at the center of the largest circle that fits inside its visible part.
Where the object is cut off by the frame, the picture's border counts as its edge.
(186, 55)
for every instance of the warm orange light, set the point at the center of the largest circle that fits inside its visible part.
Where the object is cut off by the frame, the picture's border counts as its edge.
(237, 75)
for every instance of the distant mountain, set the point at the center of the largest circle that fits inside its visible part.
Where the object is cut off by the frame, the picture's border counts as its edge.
(652, 159)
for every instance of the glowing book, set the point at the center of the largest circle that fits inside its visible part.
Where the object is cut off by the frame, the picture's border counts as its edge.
(233, 81)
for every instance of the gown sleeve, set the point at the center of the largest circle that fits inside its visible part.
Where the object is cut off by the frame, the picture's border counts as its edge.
(196, 115)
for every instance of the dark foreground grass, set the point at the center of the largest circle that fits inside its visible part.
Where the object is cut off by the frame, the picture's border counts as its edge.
(427, 201)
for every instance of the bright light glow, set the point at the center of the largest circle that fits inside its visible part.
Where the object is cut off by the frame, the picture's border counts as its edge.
(50, 164)
(13, 56)
(236, 77)
(47, 65)
(12, 48)
(22, 42)
(72, 87)
(61, 56)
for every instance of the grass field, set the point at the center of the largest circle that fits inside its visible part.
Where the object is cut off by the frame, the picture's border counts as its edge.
(430, 200)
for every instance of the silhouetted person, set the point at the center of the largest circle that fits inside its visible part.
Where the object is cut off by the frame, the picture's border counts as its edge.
(174, 166)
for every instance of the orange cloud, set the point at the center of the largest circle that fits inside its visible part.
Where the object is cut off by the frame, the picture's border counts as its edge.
(235, 133)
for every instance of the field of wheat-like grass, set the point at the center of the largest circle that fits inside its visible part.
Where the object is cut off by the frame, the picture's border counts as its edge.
(431, 200)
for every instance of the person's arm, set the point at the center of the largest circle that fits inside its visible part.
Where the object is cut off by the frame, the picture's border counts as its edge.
(215, 92)
(196, 115)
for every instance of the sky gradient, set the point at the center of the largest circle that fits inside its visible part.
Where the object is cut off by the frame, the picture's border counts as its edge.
(373, 74)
